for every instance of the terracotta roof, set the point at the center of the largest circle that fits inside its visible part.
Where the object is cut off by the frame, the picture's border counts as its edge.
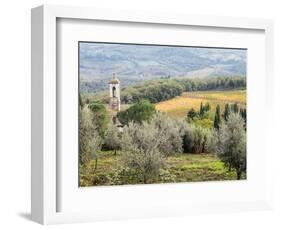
(114, 81)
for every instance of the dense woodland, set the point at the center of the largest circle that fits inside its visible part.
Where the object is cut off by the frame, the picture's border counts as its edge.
(164, 89)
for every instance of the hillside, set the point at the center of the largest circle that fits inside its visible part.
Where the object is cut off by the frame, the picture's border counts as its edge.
(136, 63)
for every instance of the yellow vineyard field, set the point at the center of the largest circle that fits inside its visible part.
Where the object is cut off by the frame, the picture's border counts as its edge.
(178, 106)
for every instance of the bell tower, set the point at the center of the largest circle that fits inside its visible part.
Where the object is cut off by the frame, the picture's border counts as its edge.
(114, 93)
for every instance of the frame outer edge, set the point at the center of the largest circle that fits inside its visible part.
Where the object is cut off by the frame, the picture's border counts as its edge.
(37, 163)
(271, 106)
(43, 93)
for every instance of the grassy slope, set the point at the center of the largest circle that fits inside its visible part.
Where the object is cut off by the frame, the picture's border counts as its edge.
(178, 106)
(179, 168)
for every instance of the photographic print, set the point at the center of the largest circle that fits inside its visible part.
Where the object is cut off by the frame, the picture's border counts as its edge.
(151, 114)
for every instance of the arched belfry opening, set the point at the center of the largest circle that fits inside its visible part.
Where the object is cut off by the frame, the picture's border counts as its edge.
(113, 91)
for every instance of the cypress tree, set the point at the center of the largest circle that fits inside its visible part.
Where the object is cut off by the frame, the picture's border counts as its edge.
(243, 114)
(235, 108)
(226, 112)
(217, 120)
(201, 112)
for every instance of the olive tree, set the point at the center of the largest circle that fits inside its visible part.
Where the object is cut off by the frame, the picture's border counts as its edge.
(140, 145)
(145, 146)
(112, 139)
(89, 139)
(202, 140)
(100, 117)
(231, 144)
(169, 134)
(197, 139)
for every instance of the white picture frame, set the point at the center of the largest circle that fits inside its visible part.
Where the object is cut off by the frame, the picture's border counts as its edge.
(45, 163)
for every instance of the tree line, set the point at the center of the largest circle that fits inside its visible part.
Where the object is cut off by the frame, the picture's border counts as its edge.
(163, 89)
(166, 88)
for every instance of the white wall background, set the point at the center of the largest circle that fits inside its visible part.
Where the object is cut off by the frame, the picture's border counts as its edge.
(15, 112)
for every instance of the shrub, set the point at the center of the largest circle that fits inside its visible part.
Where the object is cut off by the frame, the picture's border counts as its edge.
(191, 114)
(203, 122)
(166, 177)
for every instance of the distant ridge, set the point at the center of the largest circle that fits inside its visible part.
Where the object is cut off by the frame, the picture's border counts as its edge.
(136, 63)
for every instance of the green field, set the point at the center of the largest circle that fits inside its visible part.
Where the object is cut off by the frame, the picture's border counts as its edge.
(178, 106)
(179, 168)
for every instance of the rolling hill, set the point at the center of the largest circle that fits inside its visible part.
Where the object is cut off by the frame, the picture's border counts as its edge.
(135, 63)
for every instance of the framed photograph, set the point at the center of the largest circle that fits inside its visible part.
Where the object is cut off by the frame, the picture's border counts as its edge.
(138, 115)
